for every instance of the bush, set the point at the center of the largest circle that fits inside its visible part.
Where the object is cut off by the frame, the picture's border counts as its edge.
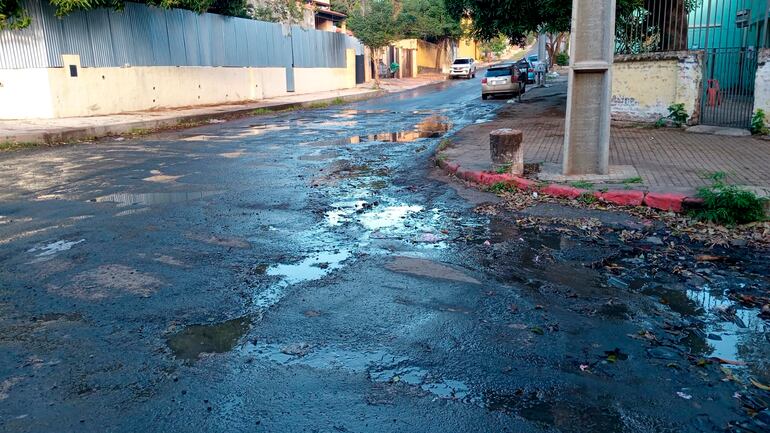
(728, 204)
(758, 125)
(677, 114)
(562, 59)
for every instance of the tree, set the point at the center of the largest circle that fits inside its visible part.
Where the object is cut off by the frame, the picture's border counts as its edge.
(277, 11)
(428, 20)
(496, 46)
(553, 44)
(516, 18)
(374, 24)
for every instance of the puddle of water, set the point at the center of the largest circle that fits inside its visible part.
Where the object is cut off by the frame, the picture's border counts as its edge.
(153, 198)
(189, 343)
(48, 250)
(388, 216)
(677, 300)
(430, 127)
(311, 268)
(732, 332)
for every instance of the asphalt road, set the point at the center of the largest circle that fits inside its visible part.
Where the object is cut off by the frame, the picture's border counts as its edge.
(305, 272)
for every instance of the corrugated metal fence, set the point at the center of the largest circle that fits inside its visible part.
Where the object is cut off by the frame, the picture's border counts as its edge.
(142, 35)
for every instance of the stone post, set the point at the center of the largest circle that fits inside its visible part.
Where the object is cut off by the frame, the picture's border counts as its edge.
(587, 128)
(505, 149)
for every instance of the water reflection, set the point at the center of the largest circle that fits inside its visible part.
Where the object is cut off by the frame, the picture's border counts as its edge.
(153, 198)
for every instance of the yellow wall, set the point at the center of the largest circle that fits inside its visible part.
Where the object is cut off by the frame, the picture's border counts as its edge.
(47, 93)
(426, 55)
(467, 48)
(643, 87)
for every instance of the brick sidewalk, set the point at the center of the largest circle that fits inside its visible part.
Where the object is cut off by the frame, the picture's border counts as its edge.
(668, 160)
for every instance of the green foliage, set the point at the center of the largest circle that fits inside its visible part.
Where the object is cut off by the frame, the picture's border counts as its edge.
(677, 114)
(587, 198)
(444, 143)
(517, 19)
(276, 11)
(582, 184)
(562, 59)
(6, 146)
(758, 123)
(13, 15)
(427, 19)
(660, 123)
(374, 23)
(500, 187)
(635, 179)
(505, 168)
(728, 204)
(496, 45)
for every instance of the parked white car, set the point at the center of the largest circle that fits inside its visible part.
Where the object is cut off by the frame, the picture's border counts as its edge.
(463, 67)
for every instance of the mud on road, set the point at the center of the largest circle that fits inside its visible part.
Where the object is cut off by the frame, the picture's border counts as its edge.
(309, 271)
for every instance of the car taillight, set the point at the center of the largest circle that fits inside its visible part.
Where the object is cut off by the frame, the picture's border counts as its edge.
(483, 81)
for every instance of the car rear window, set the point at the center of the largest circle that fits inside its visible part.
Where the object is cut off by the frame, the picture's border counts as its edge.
(462, 61)
(499, 72)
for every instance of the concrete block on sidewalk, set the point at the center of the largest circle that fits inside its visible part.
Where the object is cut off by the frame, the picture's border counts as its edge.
(506, 150)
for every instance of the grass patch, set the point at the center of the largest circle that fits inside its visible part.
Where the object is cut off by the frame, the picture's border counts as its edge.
(632, 180)
(7, 146)
(582, 184)
(505, 168)
(261, 111)
(500, 187)
(325, 104)
(444, 144)
(587, 198)
(728, 204)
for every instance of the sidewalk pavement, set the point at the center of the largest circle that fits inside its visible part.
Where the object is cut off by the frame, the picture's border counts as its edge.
(668, 160)
(37, 131)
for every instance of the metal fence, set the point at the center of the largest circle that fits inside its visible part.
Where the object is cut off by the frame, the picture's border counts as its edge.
(675, 25)
(727, 33)
(142, 35)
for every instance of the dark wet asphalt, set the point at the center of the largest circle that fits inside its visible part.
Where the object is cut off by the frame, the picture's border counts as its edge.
(303, 272)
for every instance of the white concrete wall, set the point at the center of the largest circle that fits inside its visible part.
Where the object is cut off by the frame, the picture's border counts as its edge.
(644, 86)
(25, 94)
(762, 84)
(50, 93)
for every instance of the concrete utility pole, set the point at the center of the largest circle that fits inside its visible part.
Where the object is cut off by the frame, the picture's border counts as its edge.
(587, 128)
(540, 72)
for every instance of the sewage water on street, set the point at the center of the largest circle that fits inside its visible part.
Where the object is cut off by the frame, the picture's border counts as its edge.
(310, 271)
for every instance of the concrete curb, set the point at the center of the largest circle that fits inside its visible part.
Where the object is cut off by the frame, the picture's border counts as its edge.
(673, 202)
(74, 134)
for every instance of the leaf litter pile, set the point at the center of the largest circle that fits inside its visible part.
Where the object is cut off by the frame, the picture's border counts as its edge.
(674, 260)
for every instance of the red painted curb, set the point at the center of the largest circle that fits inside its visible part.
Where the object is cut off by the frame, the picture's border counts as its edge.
(624, 197)
(565, 191)
(665, 201)
(675, 202)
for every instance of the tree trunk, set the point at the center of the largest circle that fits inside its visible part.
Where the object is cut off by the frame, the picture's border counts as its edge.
(376, 61)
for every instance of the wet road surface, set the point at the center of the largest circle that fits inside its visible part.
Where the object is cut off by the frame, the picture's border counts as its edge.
(306, 271)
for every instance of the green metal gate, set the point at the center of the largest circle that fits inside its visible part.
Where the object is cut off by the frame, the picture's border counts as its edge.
(728, 87)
